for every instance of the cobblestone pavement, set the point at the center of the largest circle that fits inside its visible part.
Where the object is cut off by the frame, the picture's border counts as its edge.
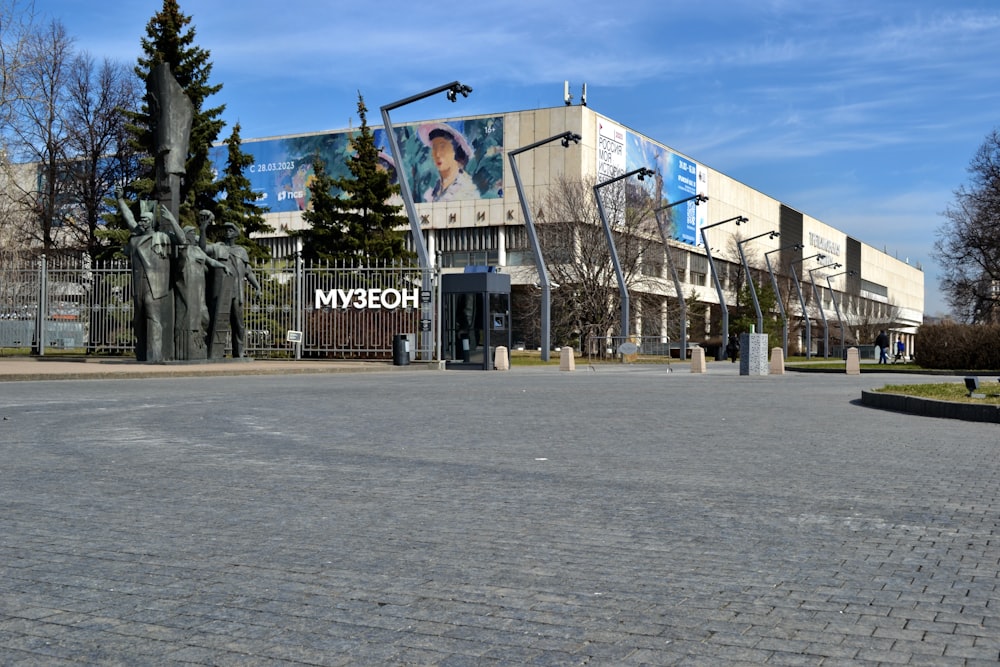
(623, 516)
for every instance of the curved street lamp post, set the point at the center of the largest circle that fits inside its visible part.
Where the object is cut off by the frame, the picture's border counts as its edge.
(746, 267)
(802, 301)
(642, 173)
(836, 308)
(739, 220)
(428, 315)
(543, 275)
(665, 237)
(819, 304)
(777, 295)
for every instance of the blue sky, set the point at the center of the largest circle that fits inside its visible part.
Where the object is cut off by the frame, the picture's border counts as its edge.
(863, 115)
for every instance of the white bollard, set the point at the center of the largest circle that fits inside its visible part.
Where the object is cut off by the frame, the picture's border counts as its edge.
(853, 361)
(567, 362)
(777, 366)
(698, 360)
(501, 362)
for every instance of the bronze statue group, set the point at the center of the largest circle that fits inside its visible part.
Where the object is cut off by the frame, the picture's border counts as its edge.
(187, 293)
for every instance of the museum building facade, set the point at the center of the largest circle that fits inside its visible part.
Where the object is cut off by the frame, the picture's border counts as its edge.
(469, 214)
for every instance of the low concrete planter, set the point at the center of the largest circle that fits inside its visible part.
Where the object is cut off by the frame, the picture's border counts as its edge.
(929, 407)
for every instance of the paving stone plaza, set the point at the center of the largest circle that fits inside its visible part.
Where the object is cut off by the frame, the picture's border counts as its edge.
(618, 516)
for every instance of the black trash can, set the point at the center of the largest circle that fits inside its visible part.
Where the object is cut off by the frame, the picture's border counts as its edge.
(400, 350)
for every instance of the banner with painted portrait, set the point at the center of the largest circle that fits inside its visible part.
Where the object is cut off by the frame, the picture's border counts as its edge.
(452, 161)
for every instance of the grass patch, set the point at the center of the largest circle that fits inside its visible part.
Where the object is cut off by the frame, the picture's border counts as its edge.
(946, 391)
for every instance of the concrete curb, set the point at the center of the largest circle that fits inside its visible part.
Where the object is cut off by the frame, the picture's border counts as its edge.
(35, 369)
(929, 407)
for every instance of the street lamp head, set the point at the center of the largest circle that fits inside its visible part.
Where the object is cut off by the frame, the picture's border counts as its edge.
(700, 199)
(740, 219)
(570, 136)
(774, 235)
(820, 257)
(644, 172)
(458, 89)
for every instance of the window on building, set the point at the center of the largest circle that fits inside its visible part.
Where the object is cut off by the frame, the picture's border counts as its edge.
(699, 269)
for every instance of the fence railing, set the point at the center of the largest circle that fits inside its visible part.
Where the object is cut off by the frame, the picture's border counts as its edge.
(60, 305)
(638, 349)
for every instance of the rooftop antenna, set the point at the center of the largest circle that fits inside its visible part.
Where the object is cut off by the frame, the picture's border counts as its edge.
(567, 98)
(583, 95)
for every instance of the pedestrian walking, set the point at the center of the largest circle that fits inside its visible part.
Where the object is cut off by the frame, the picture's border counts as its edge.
(882, 343)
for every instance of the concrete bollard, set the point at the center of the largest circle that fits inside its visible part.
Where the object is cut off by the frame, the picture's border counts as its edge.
(777, 366)
(501, 362)
(853, 361)
(567, 362)
(698, 360)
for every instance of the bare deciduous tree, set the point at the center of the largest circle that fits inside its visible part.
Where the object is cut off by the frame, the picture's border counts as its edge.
(16, 30)
(968, 245)
(37, 132)
(577, 255)
(864, 318)
(98, 139)
(65, 142)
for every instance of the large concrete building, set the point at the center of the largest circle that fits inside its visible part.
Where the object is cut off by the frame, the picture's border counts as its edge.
(472, 216)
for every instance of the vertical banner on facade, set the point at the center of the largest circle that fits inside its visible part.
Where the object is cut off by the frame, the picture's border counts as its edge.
(610, 164)
(675, 178)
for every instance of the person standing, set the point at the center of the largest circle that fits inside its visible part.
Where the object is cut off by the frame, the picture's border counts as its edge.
(733, 348)
(882, 343)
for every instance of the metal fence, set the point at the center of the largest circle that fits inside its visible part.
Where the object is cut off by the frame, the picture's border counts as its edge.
(57, 304)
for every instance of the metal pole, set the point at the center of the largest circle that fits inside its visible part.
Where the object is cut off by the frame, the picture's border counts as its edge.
(665, 237)
(836, 308)
(642, 172)
(718, 284)
(299, 295)
(437, 315)
(42, 312)
(819, 304)
(777, 296)
(802, 300)
(746, 268)
(454, 89)
(543, 274)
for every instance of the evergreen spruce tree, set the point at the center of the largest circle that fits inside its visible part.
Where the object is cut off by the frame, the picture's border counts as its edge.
(359, 225)
(169, 40)
(324, 239)
(237, 200)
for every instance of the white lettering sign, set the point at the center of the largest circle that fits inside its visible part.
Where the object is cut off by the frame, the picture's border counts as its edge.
(390, 299)
(828, 246)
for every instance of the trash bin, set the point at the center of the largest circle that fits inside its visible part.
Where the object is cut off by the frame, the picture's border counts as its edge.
(400, 350)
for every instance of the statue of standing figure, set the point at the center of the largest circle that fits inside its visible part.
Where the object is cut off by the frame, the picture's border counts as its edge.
(175, 316)
(226, 300)
(149, 250)
(190, 297)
